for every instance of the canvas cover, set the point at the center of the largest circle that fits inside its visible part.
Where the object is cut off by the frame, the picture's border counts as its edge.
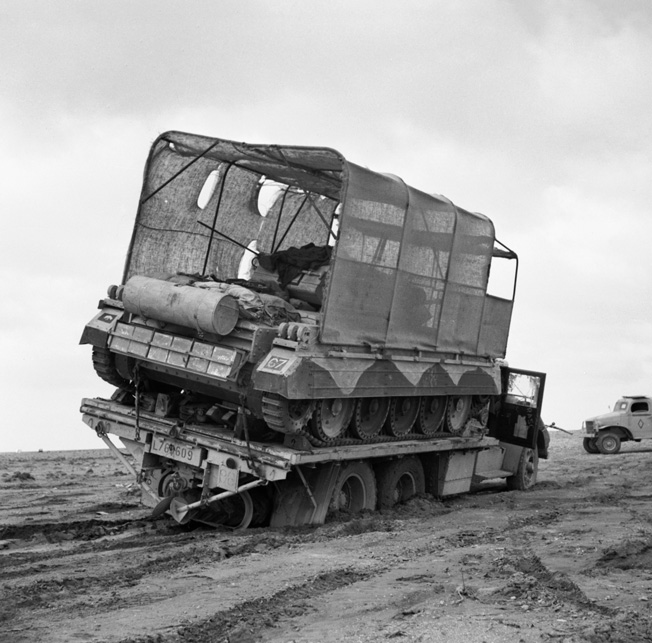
(409, 270)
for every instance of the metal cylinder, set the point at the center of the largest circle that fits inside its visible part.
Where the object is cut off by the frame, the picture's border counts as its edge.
(201, 308)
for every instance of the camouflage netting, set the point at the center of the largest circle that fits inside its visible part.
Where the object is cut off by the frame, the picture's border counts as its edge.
(174, 234)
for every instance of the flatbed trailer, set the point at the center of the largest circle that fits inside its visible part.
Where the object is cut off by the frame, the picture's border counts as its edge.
(241, 482)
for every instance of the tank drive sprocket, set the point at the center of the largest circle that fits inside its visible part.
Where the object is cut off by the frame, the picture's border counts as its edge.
(286, 416)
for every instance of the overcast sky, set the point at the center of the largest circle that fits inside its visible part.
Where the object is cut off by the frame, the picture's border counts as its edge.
(537, 113)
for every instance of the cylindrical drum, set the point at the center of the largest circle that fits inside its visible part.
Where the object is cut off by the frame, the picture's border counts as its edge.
(203, 308)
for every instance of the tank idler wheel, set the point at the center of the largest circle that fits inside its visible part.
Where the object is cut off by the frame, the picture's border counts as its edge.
(331, 418)
(369, 416)
(403, 413)
(431, 414)
(286, 416)
(590, 446)
(399, 480)
(458, 413)
(355, 488)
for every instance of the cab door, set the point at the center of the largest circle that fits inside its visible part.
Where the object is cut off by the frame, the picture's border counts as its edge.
(517, 418)
(640, 420)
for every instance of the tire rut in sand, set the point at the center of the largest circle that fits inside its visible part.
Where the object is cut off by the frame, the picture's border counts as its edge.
(249, 620)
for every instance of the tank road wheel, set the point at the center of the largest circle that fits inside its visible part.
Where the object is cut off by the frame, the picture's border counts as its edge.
(458, 413)
(431, 414)
(331, 418)
(400, 480)
(608, 443)
(590, 446)
(369, 416)
(526, 474)
(355, 488)
(286, 416)
(403, 412)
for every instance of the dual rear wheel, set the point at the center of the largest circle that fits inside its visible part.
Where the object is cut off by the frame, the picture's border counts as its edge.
(359, 487)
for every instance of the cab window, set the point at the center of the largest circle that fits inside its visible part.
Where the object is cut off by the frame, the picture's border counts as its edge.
(640, 407)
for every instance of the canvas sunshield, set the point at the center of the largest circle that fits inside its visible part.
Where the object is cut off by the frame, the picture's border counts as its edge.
(411, 270)
(408, 271)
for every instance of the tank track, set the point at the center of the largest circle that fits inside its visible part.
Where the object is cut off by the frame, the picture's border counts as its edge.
(104, 365)
(273, 414)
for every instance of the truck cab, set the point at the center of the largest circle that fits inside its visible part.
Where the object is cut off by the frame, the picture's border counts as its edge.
(631, 419)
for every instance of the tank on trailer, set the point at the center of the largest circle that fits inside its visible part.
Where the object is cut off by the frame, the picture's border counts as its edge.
(286, 316)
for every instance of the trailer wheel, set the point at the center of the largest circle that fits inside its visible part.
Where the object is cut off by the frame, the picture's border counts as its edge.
(236, 512)
(400, 480)
(526, 475)
(608, 443)
(355, 488)
(590, 446)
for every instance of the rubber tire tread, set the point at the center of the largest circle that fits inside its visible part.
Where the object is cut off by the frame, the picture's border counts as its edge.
(522, 480)
(590, 446)
(602, 438)
(365, 473)
(389, 474)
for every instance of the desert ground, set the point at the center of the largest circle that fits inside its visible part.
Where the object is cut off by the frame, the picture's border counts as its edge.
(569, 561)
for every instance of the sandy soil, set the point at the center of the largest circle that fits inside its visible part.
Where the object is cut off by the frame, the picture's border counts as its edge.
(570, 561)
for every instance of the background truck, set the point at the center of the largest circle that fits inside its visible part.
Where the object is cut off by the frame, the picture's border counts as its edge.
(631, 419)
(294, 333)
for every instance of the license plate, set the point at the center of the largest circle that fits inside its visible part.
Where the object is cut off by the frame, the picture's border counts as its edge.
(176, 450)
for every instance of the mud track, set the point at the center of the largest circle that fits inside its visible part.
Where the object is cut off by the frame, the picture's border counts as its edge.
(570, 561)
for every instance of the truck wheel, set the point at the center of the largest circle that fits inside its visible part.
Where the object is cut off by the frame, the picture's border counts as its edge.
(526, 475)
(400, 480)
(590, 446)
(608, 443)
(355, 488)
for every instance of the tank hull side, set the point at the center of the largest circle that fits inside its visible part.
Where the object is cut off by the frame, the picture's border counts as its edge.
(293, 376)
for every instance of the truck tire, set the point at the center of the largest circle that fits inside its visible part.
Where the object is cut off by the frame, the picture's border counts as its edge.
(355, 488)
(608, 443)
(526, 475)
(590, 446)
(399, 480)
